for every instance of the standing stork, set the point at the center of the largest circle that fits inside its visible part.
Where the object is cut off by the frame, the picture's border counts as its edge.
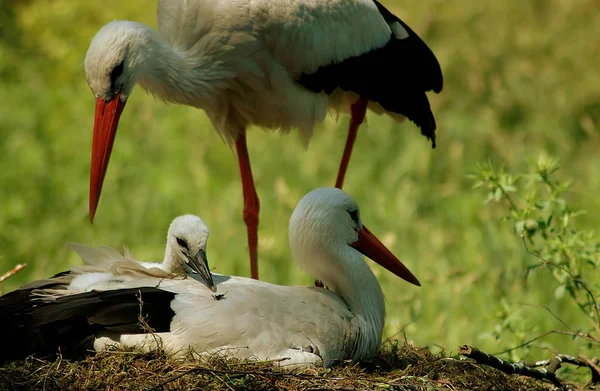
(278, 64)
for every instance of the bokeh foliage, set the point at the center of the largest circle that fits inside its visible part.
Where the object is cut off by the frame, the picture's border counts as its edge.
(522, 80)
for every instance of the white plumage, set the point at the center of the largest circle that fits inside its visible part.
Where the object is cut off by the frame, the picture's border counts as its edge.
(185, 253)
(278, 64)
(237, 60)
(304, 325)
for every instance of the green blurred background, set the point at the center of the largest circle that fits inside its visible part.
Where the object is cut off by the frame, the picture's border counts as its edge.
(522, 80)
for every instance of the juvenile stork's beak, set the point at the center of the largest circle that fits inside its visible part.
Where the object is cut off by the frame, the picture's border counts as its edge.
(106, 121)
(199, 263)
(370, 246)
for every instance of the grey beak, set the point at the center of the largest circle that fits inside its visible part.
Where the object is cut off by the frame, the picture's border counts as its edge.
(199, 263)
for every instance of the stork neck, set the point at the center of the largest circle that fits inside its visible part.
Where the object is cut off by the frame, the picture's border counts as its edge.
(361, 291)
(345, 272)
(176, 75)
(358, 286)
(170, 262)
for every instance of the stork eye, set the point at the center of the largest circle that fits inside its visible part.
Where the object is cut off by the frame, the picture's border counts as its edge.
(354, 215)
(116, 72)
(182, 243)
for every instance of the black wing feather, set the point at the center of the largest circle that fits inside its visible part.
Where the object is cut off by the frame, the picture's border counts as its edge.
(424, 62)
(396, 76)
(32, 326)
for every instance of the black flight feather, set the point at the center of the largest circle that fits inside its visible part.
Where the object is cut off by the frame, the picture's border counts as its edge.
(396, 76)
(70, 323)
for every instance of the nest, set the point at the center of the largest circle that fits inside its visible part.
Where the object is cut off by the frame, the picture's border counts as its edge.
(396, 367)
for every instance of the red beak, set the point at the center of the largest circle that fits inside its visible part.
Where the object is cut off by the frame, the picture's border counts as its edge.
(370, 246)
(106, 121)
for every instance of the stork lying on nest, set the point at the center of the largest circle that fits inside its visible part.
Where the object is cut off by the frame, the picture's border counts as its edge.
(302, 325)
(185, 253)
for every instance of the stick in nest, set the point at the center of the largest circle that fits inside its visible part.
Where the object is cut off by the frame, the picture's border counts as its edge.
(507, 367)
(12, 272)
(593, 367)
(143, 323)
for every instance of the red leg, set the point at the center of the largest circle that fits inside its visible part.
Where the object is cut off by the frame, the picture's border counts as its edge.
(358, 111)
(251, 203)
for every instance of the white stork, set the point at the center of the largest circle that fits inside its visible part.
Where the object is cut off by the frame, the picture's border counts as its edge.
(278, 64)
(185, 252)
(305, 325)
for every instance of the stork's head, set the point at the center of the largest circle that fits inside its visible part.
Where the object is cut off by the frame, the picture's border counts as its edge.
(186, 245)
(325, 223)
(115, 61)
(328, 214)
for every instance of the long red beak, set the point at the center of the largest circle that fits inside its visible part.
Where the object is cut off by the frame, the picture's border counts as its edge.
(370, 246)
(106, 121)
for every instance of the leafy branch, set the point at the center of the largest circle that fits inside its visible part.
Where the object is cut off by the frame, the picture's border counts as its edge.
(539, 209)
(545, 221)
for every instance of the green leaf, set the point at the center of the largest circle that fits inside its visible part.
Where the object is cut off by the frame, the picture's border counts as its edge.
(519, 226)
(559, 292)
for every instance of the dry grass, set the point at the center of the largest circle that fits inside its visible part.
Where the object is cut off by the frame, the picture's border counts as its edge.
(395, 368)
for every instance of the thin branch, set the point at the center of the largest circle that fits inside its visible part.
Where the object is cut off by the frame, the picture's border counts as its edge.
(226, 372)
(507, 367)
(7, 380)
(257, 362)
(118, 352)
(576, 280)
(584, 310)
(270, 374)
(544, 261)
(547, 309)
(223, 381)
(555, 362)
(332, 389)
(12, 272)
(561, 358)
(576, 334)
(143, 324)
(505, 194)
(583, 285)
(593, 367)
(524, 343)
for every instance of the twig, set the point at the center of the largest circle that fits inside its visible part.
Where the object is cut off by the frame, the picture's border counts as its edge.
(213, 371)
(547, 309)
(172, 379)
(507, 367)
(12, 272)
(180, 271)
(300, 376)
(559, 358)
(576, 280)
(143, 324)
(505, 194)
(223, 381)
(7, 380)
(118, 352)
(593, 367)
(274, 361)
(555, 362)
(50, 369)
(585, 336)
